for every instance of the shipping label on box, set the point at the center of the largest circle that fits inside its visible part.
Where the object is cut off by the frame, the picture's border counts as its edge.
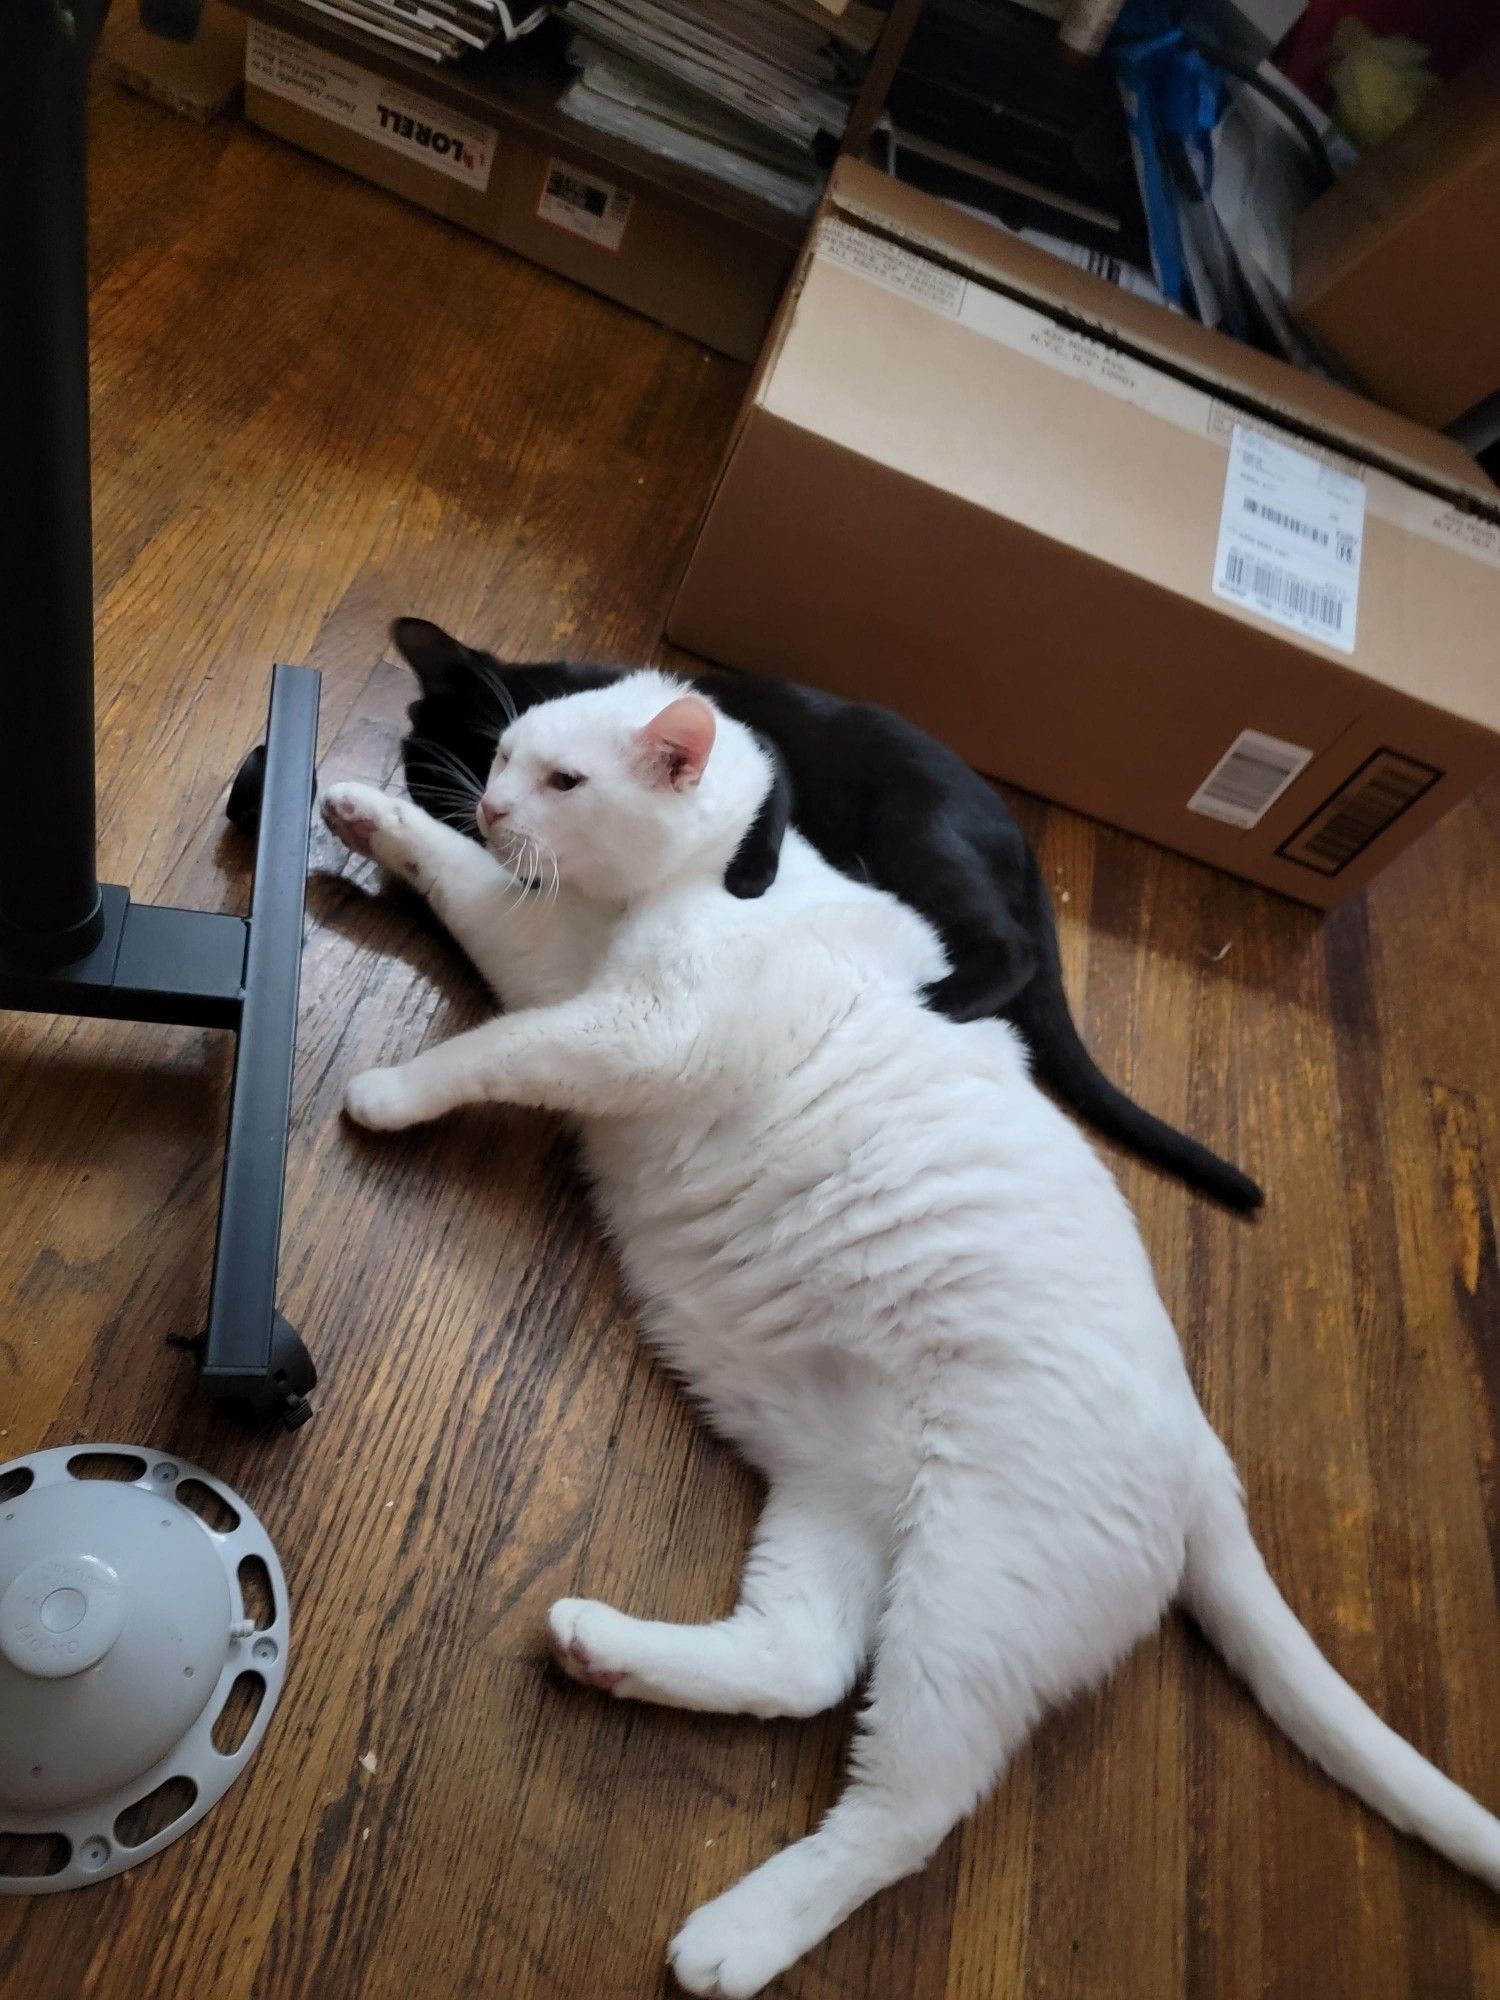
(402, 120)
(1291, 533)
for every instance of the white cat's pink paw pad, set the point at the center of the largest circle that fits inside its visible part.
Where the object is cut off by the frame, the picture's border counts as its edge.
(359, 815)
(580, 1660)
(350, 813)
(579, 1665)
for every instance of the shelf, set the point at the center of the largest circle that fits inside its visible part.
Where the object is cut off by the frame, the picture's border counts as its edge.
(516, 89)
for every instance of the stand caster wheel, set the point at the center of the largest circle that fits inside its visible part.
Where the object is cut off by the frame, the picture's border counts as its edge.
(285, 1391)
(293, 1378)
(242, 807)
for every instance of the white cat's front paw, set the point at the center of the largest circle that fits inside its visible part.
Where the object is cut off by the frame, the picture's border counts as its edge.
(727, 1949)
(358, 815)
(585, 1640)
(382, 1100)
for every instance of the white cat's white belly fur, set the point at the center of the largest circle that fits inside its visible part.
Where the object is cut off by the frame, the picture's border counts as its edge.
(859, 1296)
(902, 1284)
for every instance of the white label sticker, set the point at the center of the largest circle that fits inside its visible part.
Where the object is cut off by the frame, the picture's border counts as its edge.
(1249, 778)
(1290, 537)
(595, 210)
(355, 98)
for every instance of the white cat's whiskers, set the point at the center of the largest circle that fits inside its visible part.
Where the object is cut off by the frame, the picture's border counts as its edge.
(438, 758)
(552, 890)
(450, 799)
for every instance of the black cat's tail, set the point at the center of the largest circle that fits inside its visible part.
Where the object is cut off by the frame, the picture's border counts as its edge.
(1060, 1060)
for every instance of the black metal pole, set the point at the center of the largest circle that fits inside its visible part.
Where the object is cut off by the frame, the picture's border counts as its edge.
(49, 893)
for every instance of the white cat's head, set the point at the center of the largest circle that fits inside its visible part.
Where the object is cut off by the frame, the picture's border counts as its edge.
(622, 788)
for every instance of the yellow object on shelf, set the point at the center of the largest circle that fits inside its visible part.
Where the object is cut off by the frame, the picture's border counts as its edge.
(1378, 81)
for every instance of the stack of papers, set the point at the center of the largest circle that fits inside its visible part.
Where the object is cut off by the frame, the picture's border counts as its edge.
(441, 30)
(750, 91)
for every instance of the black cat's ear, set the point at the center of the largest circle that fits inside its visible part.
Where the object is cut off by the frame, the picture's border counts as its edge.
(434, 656)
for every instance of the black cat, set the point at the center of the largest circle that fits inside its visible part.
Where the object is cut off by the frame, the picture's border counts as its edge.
(879, 799)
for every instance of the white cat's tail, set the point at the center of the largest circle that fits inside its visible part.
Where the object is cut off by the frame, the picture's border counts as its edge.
(1229, 1591)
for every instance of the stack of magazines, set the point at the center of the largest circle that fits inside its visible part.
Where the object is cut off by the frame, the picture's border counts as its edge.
(441, 30)
(753, 92)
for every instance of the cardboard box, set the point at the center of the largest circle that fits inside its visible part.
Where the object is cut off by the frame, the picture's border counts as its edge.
(692, 267)
(1106, 554)
(1398, 265)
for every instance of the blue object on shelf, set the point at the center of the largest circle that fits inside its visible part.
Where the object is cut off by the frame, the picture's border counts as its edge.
(1174, 98)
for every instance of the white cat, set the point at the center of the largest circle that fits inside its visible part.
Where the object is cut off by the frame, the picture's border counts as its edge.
(891, 1272)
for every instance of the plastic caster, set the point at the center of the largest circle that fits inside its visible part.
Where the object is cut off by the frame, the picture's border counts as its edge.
(242, 807)
(293, 1377)
(285, 1391)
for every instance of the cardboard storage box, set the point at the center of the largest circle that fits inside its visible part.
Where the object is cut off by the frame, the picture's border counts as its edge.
(1104, 553)
(701, 269)
(1398, 265)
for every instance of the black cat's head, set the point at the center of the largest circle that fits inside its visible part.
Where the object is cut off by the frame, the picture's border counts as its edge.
(442, 664)
(456, 720)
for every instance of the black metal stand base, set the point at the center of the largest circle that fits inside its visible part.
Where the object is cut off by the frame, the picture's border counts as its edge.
(200, 970)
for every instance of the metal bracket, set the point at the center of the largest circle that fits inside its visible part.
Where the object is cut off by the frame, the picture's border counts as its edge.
(240, 1355)
(202, 970)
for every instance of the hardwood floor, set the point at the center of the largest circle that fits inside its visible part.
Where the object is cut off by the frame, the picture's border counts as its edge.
(317, 408)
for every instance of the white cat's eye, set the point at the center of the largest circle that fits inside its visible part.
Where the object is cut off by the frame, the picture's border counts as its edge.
(564, 781)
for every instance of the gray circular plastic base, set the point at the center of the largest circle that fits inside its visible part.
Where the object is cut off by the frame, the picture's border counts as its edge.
(125, 1645)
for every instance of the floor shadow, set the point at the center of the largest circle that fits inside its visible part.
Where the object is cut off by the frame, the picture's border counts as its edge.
(397, 923)
(1146, 897)
(69, 1106)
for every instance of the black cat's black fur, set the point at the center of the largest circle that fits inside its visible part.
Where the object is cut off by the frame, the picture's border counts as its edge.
(878, 798)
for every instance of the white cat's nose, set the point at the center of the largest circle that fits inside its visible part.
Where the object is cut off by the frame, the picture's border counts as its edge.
(489, 813)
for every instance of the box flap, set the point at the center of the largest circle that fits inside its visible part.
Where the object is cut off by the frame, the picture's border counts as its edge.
(1301, 402)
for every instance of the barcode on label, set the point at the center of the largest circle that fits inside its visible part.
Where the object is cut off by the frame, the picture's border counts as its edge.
(1277, 586)
(577, 194)
(1291, 539)
(1362, 809)
(1249, 778)
(594, 210)
(1293, 526)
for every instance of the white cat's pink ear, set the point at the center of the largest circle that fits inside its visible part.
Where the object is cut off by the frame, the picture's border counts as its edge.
(676, 743)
